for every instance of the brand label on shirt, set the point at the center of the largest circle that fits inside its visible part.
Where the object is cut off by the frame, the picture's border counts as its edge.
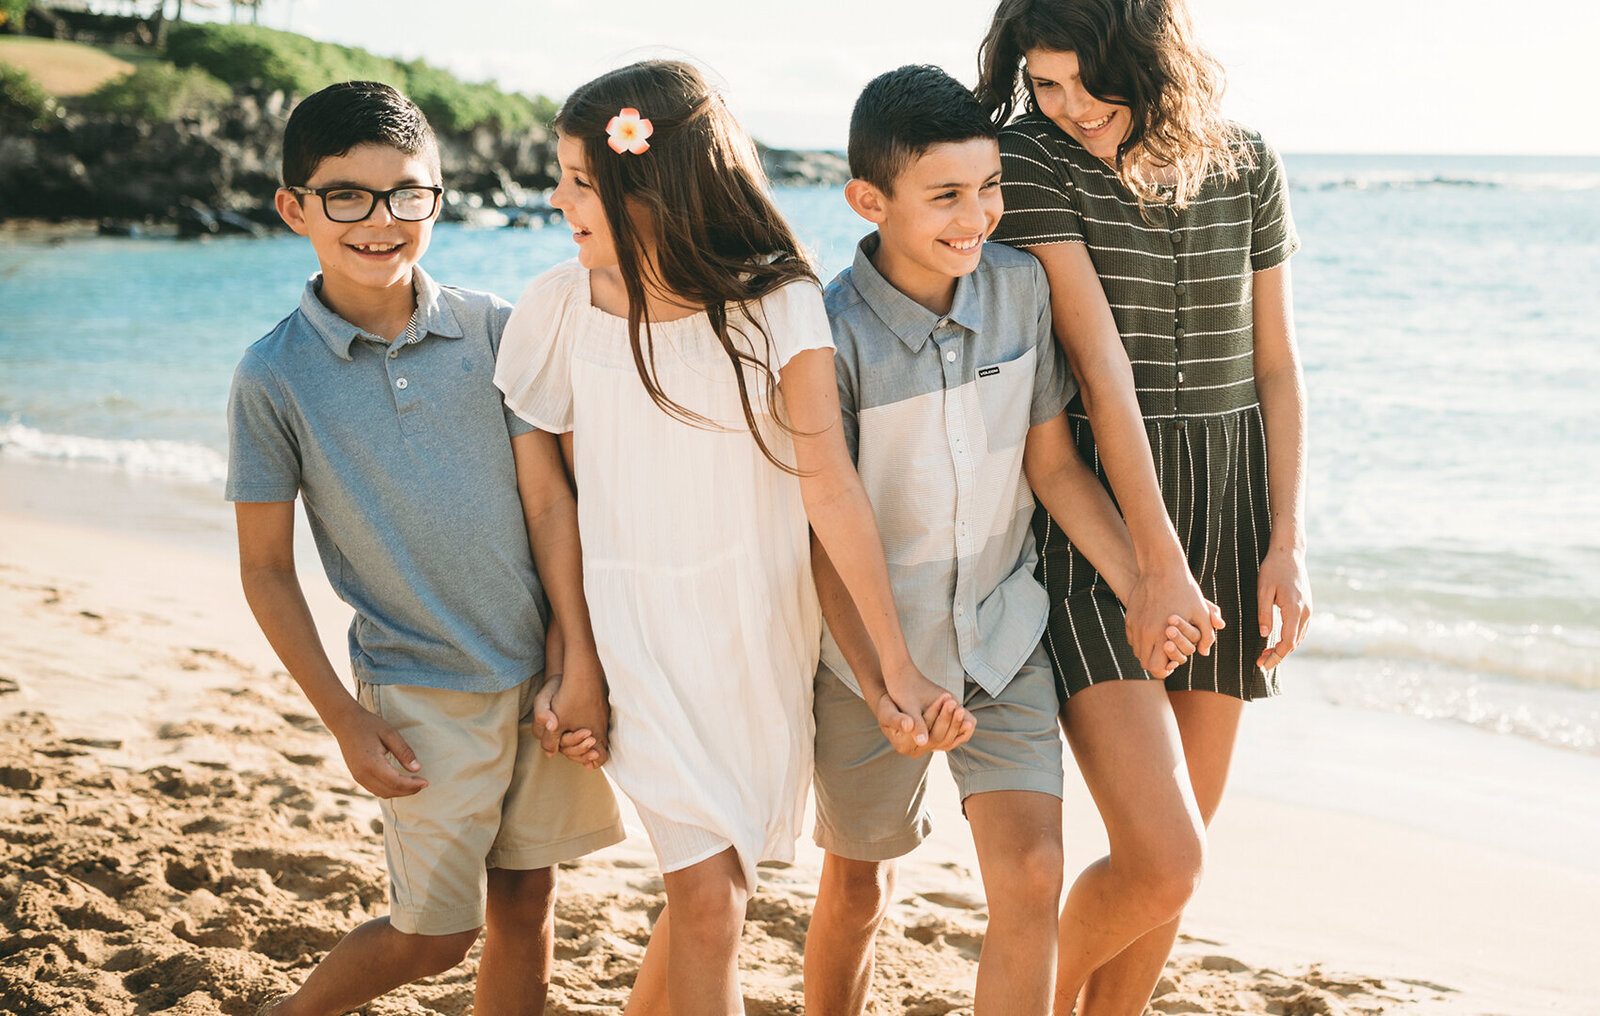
(988, 371)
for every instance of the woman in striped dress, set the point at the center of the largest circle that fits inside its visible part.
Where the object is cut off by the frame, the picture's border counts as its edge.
(1166, 234)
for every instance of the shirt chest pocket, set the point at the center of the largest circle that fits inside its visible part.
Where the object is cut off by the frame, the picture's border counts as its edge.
(1005, 396)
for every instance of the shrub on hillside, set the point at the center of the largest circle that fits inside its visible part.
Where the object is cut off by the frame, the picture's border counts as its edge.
(453, 105)
(160, 91)
(247, 56)
(23, 101)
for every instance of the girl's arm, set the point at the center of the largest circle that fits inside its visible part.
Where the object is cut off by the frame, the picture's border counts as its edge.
(1086, 330)
(841, 516)
(1280, 385)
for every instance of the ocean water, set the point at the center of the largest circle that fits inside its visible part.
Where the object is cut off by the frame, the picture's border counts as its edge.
(1445, 310)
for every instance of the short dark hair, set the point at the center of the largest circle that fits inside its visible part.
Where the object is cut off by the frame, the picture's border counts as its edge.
(329, 123)
(904, 112)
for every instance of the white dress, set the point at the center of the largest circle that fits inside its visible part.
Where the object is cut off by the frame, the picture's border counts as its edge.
(696, 562)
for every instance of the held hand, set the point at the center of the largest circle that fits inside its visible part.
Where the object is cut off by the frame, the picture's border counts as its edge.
(367, 743)
(1158, 597)
(578, 745)
(1284, 587)
(934, 712)
(1183, 638)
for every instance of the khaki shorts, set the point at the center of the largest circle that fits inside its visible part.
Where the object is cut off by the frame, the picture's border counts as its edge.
(870, 797)
(493, 801)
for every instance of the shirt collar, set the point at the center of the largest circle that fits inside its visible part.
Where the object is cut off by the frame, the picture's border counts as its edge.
(434, 316)
(907, 318)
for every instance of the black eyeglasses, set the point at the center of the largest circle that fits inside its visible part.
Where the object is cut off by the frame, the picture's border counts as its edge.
(411, 203)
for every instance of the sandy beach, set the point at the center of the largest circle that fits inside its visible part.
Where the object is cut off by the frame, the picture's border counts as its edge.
(178, 833)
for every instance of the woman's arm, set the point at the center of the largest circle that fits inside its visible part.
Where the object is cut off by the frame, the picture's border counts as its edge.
(1280, 384)
(1087, 331)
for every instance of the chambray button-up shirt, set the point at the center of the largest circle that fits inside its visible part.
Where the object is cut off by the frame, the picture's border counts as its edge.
(936, 411)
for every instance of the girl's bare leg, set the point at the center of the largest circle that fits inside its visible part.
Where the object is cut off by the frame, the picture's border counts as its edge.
(691, 966)
(1125, 737)
(1209, 726)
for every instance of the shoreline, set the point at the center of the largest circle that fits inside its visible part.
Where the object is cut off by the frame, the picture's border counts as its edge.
(1374, 860)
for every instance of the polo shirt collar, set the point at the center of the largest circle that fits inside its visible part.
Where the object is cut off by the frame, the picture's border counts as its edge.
(907, 318)
(434, 316)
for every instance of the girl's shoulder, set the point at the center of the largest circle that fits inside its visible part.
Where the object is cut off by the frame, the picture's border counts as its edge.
(556, 286)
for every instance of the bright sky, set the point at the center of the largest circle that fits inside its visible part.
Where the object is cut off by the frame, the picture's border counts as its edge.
(1353, 76)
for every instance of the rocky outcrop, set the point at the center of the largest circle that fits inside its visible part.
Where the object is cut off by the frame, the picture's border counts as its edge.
(128, 171)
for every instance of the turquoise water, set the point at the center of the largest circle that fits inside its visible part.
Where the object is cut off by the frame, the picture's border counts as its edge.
(1452, 352)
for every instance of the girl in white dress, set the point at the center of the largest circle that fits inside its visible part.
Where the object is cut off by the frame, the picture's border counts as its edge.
(687, 360)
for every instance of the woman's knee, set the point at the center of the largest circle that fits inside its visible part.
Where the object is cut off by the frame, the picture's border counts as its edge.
(1168, 872)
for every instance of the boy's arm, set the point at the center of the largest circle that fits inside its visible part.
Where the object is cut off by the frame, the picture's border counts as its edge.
(272, 588)
(1073, 496)
(578, 696)
(910, 733)
(1088, 333)
(841, 517)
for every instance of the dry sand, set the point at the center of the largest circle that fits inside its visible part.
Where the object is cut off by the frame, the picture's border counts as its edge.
(178, 834)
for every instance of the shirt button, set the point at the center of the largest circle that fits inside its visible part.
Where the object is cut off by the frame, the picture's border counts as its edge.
(1177, 238)
(1181, 289)
(1177, 332)
(401, 383)
(950, 355)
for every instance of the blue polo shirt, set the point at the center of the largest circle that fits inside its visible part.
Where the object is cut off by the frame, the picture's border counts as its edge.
(402, 454)
(936, 414)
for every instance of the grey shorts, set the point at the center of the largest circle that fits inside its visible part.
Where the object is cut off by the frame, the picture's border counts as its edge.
(870, 797)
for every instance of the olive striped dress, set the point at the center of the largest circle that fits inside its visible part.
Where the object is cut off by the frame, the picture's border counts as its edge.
(1179, 282)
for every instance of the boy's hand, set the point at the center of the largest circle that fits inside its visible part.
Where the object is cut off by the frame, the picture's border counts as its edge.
(1155, 599)
(918, 716)
(571, 717)
(367, 743)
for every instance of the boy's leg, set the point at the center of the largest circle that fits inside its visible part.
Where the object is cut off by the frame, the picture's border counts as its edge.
(554, 810)
(852, 900)
(869, 810)
(371, 960)
(1209, 725)
(1018, 836)
(518, 944)
(1126, 742)
(1009, 776)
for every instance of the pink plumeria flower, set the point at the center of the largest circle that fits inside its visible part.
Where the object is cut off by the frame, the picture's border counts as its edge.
(628, 131)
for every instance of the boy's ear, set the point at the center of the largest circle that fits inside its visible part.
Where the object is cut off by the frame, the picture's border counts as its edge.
(290, 210)
(867, 200)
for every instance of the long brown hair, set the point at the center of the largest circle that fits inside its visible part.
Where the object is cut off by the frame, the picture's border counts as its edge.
(1137, 53)
(697, 199)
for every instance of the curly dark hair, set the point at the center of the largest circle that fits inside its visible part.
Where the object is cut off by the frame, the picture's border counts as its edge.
(699, 197)
(1138, 53)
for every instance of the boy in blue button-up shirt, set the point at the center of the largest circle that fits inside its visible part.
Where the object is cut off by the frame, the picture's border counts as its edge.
(952, 389)
(374, 402)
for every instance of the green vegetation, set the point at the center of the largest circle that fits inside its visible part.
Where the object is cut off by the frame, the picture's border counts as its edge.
(160, 92)
(11, 13)
(23, 101)
(246, 56)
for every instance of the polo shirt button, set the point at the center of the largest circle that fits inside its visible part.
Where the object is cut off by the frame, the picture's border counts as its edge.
(1177, 332)
(1181, 289)
(950, 355)
(401, 383)
(1177, 238)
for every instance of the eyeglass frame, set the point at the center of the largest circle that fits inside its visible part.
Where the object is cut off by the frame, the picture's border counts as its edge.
(375, 195)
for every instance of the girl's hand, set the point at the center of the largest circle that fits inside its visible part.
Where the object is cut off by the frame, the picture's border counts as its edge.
(571, 717)
(937, 721)
(1283, 586)
(1158, 597)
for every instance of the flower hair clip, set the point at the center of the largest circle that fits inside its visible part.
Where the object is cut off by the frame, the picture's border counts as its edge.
(628, 132)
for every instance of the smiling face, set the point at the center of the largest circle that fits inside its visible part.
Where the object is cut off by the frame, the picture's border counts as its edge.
(1097, 125)
(945, 203)
(363, 259)
(580, 205)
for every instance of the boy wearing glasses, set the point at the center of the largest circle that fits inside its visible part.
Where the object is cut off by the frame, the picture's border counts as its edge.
(430, 505)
